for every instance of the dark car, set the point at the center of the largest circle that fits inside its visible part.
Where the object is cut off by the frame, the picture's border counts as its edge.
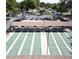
(10, 15)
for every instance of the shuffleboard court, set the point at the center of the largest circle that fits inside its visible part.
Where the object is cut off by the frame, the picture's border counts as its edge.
(67, 39)
(27, 44)
(62, 45)
(11, 39)
(52, 45)
(39, 43)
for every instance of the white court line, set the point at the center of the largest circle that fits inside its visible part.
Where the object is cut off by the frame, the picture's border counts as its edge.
(66, 34)
(44, 43)
(48, 51)
(59, 50)
(23, 42)
(9, 36)
(64, 42)
(32, 44)
(13, 43)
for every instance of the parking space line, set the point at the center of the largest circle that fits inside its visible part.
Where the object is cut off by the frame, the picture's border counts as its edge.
(44, 43)
(13, 43)
(32, 44)
(56, 44)
(9, 36)
(23, 42)
(64, 41)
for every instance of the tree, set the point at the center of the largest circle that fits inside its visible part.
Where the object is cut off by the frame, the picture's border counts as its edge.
(31, 4)
(22, 5)
(55, 6)
(65, 5)
(42, 4)
(41, 11)
(48, 5)
(11, 6)
(69, 4)
(38, 2)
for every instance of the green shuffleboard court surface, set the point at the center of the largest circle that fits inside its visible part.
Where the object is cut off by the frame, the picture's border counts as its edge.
(31, 43)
